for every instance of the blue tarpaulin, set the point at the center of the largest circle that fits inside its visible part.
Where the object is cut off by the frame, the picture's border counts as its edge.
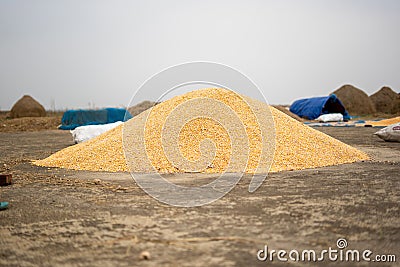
(312, 108)
(74, 118)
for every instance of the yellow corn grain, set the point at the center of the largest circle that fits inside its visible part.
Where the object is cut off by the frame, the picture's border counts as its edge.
(297, 146)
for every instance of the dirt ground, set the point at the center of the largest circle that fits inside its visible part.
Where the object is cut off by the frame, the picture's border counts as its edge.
(63, 218)
(31, 124)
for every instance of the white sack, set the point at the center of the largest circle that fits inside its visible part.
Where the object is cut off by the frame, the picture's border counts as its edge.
(83, 133)
(390, 133)
(330, 117)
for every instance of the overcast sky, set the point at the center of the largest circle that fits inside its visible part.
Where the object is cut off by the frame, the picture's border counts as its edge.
(73, 53)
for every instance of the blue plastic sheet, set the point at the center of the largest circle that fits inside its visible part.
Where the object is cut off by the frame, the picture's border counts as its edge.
(74, 118)
(312, 108)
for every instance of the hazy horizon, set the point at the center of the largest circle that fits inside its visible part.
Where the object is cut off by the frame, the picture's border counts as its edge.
(76, 54)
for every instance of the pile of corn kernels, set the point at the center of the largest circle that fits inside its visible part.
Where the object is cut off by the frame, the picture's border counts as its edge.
(209, 130)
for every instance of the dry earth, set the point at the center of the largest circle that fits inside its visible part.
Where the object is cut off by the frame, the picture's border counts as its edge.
(63, 218)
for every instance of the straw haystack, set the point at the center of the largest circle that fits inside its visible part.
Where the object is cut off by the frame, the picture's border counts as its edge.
(386, 100)
(355, 100)
(27, 107)
(396, 105)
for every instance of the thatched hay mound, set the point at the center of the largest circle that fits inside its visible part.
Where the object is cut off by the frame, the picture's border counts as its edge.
(355, 100)
(386, 100)
(396, 105)
(142, 106)
(27, 107)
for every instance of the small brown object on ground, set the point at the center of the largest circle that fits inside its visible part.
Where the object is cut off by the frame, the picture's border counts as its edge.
(5, 179)
(144, 255)
(27, 106)
(355, 100)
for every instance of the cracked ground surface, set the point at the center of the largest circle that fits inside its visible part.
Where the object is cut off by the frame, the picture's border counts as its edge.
(67, 218)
